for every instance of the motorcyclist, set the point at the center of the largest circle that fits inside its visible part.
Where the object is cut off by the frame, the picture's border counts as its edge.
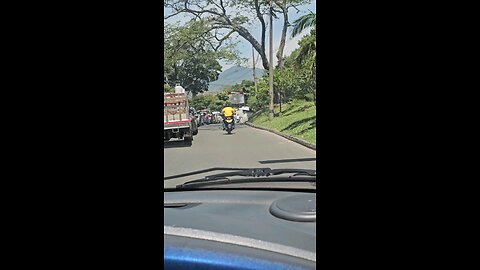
(227, 111)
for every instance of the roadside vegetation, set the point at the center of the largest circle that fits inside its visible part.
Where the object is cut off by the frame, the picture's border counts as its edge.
(211, 102)
(295, 89)
(297, 119)
(296, 80)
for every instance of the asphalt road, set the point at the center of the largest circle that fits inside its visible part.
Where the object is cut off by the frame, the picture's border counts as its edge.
(245, 147)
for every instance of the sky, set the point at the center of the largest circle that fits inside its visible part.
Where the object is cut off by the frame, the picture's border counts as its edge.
(244, 46)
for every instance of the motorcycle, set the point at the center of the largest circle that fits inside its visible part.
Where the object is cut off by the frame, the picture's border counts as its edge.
(209, 119)
(229, 125)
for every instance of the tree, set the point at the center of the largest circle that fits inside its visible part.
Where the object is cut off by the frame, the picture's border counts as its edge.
(308, 56)
(284, 6)
(303, 22)
(191, 59)
(167, 88)
(211, 102)
(219, 15)
(201, 102)
(308, 45)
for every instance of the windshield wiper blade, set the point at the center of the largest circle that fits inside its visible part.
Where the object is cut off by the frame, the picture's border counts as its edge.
(256, 172)
(259, 172)
(204, 171)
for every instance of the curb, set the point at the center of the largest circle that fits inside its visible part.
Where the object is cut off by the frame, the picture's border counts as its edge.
(291, 138)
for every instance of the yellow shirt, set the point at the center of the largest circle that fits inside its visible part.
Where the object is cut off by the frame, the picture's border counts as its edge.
(228, 111)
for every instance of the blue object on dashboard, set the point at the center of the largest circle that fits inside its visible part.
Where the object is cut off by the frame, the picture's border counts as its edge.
(180, 258)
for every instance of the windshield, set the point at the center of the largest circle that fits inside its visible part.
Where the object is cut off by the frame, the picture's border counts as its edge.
(239, 87)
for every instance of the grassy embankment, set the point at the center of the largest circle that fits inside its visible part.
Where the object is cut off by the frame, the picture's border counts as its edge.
(297, 119)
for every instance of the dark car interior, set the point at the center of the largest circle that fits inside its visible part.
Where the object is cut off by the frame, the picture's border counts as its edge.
(240, 229)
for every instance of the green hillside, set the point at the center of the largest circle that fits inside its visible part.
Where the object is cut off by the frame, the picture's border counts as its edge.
(232, 76)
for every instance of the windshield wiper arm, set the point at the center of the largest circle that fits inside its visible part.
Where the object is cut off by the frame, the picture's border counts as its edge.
(256, 172)
(204, 171)
(259, 172)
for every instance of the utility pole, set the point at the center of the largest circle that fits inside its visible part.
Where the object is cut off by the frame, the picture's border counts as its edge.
(254, 63)
(270, 68)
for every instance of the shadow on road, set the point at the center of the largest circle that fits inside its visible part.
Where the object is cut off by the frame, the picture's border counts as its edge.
(286, 160)
(209, 127)
(176, 144)
(216, 127)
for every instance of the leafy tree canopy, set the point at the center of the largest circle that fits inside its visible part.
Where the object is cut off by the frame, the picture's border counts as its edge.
(190, 59)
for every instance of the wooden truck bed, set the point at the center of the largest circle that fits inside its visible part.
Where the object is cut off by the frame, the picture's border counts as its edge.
(175, 113)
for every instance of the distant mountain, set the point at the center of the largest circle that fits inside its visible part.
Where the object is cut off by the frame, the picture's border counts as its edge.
(232, 76)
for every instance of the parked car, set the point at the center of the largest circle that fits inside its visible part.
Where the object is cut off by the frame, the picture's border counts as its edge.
(194, 116)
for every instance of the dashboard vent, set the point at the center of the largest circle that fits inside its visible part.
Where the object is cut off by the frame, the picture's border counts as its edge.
(300, 208)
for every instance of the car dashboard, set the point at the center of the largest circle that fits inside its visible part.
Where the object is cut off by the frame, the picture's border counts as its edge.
(239, 229)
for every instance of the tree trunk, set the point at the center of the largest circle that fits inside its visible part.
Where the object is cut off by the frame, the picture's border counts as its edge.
(270, 70)
(246, 35)
(280, 99)
(262, 22)
(281, 60)
(222, 20)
